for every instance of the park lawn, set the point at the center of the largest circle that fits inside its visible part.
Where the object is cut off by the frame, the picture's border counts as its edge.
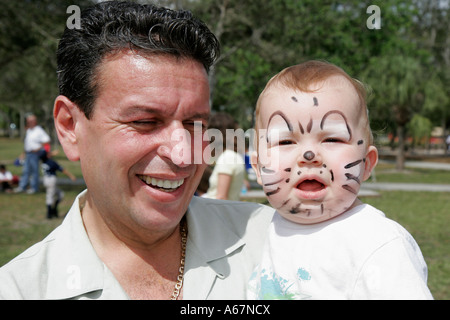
(385, 172)
(23, 220)
(424, 214)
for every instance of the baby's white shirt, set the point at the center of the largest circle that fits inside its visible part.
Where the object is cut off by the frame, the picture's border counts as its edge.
(360, 254)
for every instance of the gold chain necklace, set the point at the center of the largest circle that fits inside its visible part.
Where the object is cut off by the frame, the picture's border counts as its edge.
(180, 278)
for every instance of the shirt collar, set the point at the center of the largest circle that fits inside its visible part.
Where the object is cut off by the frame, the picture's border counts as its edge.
(78, 270)
(210, 241)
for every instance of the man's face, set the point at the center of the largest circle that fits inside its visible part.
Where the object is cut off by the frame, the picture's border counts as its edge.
(312, 151)
(131, 150)
(31, 122)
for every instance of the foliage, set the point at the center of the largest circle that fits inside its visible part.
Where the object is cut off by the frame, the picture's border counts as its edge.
(275, 34)
(29, 33)
(420, 129)
(258, 39)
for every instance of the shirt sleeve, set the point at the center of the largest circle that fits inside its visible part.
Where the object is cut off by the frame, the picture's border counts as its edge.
(396, 270)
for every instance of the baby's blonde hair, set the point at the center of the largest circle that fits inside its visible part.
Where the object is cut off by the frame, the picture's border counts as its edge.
(303, 77)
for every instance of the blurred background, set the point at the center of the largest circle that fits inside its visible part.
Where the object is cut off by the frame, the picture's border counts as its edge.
(401, 51)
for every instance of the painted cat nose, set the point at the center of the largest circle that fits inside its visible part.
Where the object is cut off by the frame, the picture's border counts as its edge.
(309, 155)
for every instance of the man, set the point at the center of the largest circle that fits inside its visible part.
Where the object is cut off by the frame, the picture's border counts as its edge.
(35, 139)
(130, 78)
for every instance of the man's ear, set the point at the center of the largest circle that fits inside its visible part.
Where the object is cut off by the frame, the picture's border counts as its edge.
(65, 114)
(255, 166)
(371, 161)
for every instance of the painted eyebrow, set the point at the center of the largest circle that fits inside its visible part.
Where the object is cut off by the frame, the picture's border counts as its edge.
(282, 115)
(342, 115)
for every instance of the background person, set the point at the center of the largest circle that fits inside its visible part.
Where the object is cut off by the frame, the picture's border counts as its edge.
(6, 179)
(228, 175)
(35, 139)
(53, 195)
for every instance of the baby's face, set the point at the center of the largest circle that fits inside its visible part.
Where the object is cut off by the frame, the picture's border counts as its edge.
(313, 152)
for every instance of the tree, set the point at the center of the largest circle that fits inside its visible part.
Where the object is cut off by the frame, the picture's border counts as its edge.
(420, 129)
(29, 33)
(431, 29)
(397, 88)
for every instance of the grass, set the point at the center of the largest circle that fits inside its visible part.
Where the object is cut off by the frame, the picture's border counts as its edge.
(385, 172)
(23, 217)
(424, 214)
(23, 221)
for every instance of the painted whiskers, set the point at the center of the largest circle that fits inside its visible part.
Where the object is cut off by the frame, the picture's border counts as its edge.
(352, 171)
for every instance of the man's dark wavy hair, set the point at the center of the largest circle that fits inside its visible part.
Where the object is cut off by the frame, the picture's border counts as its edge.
(110, 27)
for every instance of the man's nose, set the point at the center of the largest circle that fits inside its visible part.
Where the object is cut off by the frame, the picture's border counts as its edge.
(176, 145)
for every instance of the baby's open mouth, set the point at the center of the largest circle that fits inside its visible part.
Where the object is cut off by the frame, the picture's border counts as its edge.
(311, 185)
(160, 184)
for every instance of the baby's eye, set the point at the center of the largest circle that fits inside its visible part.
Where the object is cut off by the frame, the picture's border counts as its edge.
(285, 142)
(334, 140)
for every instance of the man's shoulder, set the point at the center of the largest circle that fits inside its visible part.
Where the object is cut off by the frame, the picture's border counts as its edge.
(47, 269)
(241, 218)
(22, 271)
(231, 209)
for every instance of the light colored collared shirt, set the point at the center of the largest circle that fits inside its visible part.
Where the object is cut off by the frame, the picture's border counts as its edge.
(224, 244)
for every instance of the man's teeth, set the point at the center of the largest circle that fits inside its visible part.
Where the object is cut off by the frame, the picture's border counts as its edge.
(165, 184)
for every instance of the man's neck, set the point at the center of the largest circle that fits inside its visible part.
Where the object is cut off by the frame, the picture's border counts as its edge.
(145, 269)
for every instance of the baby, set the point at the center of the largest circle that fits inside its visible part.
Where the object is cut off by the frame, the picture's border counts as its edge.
(314, 149)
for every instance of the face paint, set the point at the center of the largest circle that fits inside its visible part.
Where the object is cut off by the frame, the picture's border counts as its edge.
(320, 165)
(338, 117)
(309, 155)
(316, 102)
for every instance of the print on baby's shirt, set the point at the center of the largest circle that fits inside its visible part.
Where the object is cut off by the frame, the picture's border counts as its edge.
(271, 286)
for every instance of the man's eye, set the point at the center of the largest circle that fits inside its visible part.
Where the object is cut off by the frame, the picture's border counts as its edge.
(143, 123)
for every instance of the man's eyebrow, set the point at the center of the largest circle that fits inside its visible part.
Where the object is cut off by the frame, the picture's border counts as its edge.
(155, 111)
(139, 109)
(201, 116)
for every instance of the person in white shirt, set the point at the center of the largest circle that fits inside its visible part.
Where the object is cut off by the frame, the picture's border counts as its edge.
(35, 139)
(314, 149)
(228, 175)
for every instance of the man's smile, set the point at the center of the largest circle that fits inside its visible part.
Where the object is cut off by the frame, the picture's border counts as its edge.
(161, 184)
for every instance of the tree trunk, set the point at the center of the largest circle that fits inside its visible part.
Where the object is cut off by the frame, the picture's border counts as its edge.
(400, 159)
